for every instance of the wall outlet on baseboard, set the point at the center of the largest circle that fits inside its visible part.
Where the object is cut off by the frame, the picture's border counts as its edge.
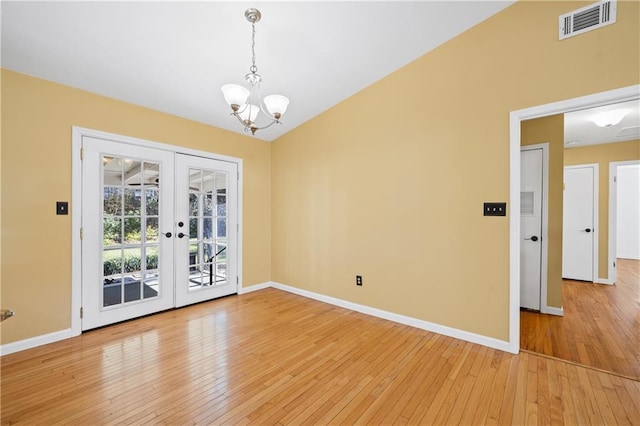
(358, 279)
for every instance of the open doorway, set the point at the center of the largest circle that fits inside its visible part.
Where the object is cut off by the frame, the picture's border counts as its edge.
(517, 117)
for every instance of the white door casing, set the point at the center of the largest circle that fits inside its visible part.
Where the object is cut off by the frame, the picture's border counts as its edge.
(515, 121)
(531, 214)
(78, 214)
(579, 216)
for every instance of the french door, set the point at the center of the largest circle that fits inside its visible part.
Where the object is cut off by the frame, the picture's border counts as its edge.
(207, 229)
(159, 230)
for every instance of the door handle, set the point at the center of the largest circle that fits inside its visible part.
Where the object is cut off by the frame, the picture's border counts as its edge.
(168, 234)
(180, 235)
(533, 238)
(587, 230)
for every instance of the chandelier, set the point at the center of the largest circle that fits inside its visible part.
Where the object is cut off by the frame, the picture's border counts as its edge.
(247, 104)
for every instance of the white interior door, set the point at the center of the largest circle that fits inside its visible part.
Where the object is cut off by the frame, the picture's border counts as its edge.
(628, 212)
(127, 205)
(578, 231)
(531, 167)
(207, 229)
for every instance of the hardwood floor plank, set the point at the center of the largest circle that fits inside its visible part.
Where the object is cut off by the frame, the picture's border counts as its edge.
(555, 394)
(520, 404)
(271, 357)
(600, 327)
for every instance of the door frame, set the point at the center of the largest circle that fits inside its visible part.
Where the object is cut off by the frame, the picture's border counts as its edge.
(544, 233)
(77, 133)
(623, 94)
(613, 220)
(596, 224)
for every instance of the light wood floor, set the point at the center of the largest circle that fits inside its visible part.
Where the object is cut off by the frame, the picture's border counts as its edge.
(600, 327)
(271, 357)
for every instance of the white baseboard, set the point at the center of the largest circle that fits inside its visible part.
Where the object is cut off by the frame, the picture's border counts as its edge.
(552, 311)
(413, 322)
(379, 313)
(255, 287)
(33, 342)
(603, 281)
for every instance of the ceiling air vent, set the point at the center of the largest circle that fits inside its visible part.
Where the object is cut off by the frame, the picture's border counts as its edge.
(587, 18)
(631, 132)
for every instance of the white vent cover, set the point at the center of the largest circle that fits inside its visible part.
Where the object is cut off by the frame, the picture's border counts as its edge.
(587, 18)
(629, 132)
(526, 203)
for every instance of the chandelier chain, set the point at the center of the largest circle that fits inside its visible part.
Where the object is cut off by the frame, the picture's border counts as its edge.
(253, 68)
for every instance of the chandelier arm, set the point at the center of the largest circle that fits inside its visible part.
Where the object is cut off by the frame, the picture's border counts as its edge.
(267, 126)
(236, 115)
(262, 105)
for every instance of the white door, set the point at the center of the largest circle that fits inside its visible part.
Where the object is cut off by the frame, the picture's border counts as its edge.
(127, 206)
(531, 166)
(628, 212)
(206, 218)
(578, 231)
(159, 230)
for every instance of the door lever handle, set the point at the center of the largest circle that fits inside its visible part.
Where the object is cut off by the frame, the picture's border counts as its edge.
(587, 230)
(180, 235)
(533, 238)
(168, 234)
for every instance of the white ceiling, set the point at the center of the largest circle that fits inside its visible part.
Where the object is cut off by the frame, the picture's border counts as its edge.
(175, 56)
(579, 130)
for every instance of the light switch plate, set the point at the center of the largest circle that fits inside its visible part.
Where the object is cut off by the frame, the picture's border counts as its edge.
(62, 207)
(495, 209)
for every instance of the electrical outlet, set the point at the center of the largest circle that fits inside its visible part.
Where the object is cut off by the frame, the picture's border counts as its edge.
(358, 279)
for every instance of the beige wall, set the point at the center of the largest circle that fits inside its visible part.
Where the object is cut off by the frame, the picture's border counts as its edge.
(603, 155)
(551, 130)
(36, 172)
(389, 184)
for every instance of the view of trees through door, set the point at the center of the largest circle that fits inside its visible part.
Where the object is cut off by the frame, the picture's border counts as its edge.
(160, 230)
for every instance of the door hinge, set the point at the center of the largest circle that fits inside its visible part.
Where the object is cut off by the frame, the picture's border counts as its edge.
(81, 233)
(238, 175)
(615, 179)
(237, 280)
(237, 227)
(81, 312)
(81, 153)
(614, 264)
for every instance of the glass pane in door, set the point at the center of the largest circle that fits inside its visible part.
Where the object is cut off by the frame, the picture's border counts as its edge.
(207, 228)
(129, 230)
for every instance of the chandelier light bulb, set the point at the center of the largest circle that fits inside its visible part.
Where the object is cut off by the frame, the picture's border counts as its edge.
(240, 98)
(248, 113)
(235, 94)
(276, 105)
